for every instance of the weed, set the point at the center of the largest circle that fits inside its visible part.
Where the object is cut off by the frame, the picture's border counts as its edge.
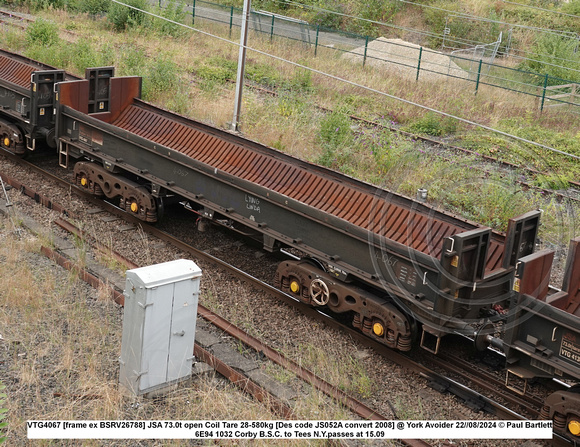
(335, 130)
(429, 124)
(121, 17)
(552, 181)
(12, 39)
(132, 61)
(42, 33)
(405, 411)
(86, 56)
(91, 7)
(41, 5)
(174, 11)
(162, 76)
(279, 373)
(301, 81)
(3, 412)
(557, 56)
(217, 69)
(263, 74)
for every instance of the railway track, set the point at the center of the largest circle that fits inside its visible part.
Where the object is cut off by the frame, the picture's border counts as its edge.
(264, 175)
(18, 19)
(474, 398)
(14, 19)
(437, 144)
(280, 408)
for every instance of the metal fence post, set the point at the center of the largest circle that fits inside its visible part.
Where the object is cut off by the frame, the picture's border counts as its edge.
(272, 28)
(316, 44)
(193, 13)
(231, 19)
(544, 93)
(419, 63)
(478, 75)
(366, 46)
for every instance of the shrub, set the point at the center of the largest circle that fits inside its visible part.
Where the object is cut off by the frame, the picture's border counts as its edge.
(55, 55)
(301, 81)
(218, 70)
(335, 130)
(40, 5)
(429, 124)
(173, 11)
(85, 56)
(337, 140)
(572, 7)
(325, 15)
(162, 76)
(94, 7)
(122, 17)
(263, 74)
(132, 61)
(42, 33)
(556, 56)
(373, 11)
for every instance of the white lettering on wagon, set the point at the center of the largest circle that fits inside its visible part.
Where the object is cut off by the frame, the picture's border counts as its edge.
(570, 349)
(252, 203)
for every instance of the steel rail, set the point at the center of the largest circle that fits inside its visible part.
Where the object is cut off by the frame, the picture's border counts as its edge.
(475, 398)
(241, 335)
(442, 144)
(444, 383)
(238, 379)
(348, 401)
(488, 382)
(309, 311)
(244, 382)
(225, 370)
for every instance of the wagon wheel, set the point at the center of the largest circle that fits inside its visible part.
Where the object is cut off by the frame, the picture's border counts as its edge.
(319, 292)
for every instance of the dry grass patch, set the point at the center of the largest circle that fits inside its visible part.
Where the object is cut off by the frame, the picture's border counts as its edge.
(60, 361)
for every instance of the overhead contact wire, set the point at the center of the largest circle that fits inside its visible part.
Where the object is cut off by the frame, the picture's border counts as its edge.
(337, 78)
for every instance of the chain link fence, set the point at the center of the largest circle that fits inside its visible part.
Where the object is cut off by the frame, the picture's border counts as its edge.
(477, 65)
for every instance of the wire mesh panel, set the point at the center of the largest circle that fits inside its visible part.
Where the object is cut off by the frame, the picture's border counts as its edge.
(479, 64)
(469, 58)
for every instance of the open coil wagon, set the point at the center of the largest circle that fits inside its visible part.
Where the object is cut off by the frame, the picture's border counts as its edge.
(27, 102)
(398, 269)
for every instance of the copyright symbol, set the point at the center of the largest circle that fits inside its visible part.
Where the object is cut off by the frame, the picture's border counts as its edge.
(501, 425)
(400, 425)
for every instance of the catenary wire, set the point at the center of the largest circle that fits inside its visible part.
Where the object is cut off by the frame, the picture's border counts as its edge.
(337, 78)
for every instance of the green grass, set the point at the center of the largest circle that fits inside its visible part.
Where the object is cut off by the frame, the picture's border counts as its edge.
(196, 84)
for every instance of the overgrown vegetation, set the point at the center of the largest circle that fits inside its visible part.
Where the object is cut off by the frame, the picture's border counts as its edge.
(45, 335)
(174, 12)
(557, 56)
(42, 33)
(188, 73)
(122, 17)
(196, 83)
(3, 412)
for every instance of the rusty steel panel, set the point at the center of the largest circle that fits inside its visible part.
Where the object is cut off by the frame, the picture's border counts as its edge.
(535, 278)
(17, 69)
(16, 72)
(360, 208)
(571, 283)
(75, 95)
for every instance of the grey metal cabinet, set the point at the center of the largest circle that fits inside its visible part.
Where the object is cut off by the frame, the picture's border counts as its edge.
(159, 325)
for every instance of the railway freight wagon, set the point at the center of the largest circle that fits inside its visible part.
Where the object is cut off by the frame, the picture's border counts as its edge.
(397, 268)
(27, 102)
(387, 261)
(541, 336)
